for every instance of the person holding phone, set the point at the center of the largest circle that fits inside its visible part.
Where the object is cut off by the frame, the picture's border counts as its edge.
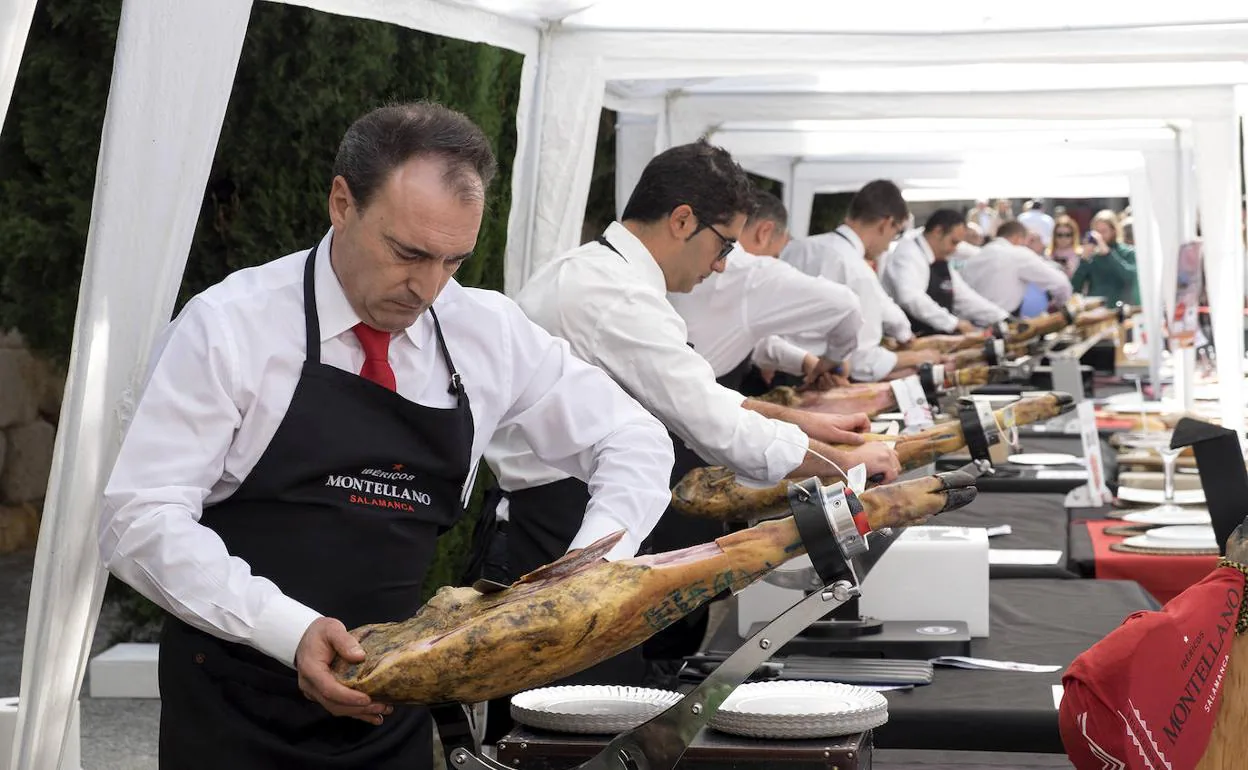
(1108, 269)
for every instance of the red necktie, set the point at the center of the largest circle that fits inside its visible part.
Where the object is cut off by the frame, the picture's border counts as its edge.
(376, 344)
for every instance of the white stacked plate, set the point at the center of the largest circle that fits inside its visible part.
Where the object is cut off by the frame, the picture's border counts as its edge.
(593, 709)
(1044, 458)
(800, 709)
(1162, 517)
(1179, 538)
(1158, 496)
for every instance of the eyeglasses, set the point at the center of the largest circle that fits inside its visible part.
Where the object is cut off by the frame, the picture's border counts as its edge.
(1063, 234)
(727, 244)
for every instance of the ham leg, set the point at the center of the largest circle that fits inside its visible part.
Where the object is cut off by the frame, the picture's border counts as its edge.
(714, 492)
(468, 647)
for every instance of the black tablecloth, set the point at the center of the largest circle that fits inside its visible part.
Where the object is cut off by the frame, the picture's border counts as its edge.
(1082, 556)
(902, 759)
(1033, 621)
(1037, 521)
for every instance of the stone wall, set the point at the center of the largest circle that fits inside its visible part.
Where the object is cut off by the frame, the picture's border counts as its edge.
(30, 403)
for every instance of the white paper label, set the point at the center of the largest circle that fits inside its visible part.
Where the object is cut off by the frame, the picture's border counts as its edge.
(911, 402)
(983, 664)
(857, 480)
(1023, 556)
(1098, 492)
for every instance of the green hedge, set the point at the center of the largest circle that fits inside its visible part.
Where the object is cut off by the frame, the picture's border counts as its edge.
(303, 77)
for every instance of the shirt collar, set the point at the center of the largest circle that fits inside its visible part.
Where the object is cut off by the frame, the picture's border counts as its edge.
(925, 247)
(636, 254)
(854, 240)
(333, 310)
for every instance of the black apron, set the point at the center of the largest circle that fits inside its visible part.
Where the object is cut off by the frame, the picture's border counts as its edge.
(939, 288)
(342, 512)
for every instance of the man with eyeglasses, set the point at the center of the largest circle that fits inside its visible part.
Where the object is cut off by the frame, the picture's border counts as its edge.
(764, 315)
(608, 299)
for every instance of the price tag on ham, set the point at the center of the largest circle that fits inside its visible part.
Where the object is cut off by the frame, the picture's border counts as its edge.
(912, 403)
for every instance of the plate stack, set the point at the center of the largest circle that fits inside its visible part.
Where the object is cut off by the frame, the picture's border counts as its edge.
(800, 709)
(591, 709)
(1190, 539)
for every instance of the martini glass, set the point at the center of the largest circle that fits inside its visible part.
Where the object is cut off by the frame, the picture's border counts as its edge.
(1159, 442)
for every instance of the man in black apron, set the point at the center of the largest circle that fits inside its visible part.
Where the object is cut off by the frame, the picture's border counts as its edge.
(339, 426)
(335, 525)
(918, 277)
(609, 300)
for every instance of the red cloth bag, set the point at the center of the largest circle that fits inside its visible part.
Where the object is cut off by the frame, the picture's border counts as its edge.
(1147, 695)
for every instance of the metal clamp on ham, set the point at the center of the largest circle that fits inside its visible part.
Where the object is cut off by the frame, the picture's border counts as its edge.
(994, 351)
(833, 525)
(980, 434)
(932, 378)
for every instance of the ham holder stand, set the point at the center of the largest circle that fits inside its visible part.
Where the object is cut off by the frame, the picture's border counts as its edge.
(824, 517)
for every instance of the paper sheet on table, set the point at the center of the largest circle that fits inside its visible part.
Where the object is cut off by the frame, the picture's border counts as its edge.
(1023, 556)
(984, 664)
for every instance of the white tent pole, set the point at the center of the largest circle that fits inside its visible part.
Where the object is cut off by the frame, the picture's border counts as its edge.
(1162, 172)
(1148, 267)
(524, 169)
(172, 75)
(635, 137)
(1217, 149)
(573, 89)
(802, 206)
(15, 18)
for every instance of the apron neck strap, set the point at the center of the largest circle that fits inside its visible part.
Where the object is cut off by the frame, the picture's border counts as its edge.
(456, 387)
(313, 323)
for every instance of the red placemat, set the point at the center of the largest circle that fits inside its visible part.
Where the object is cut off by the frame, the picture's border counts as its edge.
(1165, 577)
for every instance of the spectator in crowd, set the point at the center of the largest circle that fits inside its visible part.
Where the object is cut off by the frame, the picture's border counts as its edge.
(1108, 268)
(1037, 221)
(1065, 250)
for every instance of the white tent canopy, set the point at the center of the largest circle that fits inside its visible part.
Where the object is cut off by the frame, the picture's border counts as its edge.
(174, 69)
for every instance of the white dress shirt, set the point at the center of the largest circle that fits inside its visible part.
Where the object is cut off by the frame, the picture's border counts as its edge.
(613, 310)
(1001, 271)
(223, 374)
(745, 310)
(840, 256)
(905, 277)
(1039, 222)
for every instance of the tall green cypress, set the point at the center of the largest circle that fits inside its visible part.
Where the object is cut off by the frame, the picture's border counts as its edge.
(302, 78)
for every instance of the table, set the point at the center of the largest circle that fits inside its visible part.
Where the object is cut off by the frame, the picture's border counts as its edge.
(1033, 621)
(1037, 522)
(1165, 577)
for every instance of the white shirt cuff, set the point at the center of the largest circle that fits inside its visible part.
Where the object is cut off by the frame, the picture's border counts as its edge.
(905, 336)
(786, 451)
(596, 527)
(281, 627)
(872, 364)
